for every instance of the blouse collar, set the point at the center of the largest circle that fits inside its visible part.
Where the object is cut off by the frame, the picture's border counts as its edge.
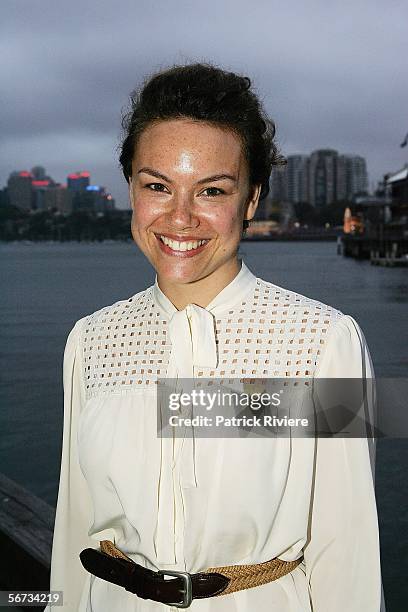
(235, 292)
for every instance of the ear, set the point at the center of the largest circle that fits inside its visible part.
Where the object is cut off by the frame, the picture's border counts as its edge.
(252, 202)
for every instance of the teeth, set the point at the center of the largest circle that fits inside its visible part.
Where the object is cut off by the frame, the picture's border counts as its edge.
(182, 246)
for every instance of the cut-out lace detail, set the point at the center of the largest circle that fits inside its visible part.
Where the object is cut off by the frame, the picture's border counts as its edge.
(274, 332)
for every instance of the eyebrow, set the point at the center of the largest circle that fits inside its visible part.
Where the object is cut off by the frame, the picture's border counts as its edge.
(214, 177)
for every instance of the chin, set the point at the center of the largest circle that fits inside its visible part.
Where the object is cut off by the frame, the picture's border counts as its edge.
(177, 276)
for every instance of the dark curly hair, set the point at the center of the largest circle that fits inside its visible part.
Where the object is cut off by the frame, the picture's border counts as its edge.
(204, 92)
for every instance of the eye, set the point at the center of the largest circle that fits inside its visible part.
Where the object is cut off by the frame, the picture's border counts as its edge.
(151, 185)
(212, 189)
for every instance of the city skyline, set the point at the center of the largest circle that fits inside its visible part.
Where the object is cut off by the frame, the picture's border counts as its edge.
(321, 179)
(35, 190)
(340, 178)
(327, 75)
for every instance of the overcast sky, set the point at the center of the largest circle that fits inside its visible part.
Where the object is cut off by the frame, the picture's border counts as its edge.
(330, 73)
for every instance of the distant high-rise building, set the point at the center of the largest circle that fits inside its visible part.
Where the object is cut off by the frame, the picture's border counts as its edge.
(59, 198)
(343, 179)
(358, 175)
(40, 184)
(78, 181)
(298, 178)
(279, 183)
(4, 197)
(351, 177)
(40, 188)
(38, 173)
(322, 177)
(20, 190)
(94, 198)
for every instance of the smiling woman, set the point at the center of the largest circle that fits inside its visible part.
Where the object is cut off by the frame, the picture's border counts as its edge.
(143, 519)
(213, 154)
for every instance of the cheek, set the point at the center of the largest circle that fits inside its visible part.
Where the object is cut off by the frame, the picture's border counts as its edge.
(139, 219)
(143, 214)
(226, 222)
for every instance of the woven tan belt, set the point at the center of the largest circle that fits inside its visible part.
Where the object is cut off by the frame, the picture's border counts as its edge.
(215, 581)
(248, 576)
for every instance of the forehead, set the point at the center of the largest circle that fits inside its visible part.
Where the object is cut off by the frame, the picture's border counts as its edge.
(184, 141)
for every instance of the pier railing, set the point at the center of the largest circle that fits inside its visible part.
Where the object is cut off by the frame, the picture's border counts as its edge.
(26, 529)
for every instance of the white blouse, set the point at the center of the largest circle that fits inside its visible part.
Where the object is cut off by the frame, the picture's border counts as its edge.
(193, 503)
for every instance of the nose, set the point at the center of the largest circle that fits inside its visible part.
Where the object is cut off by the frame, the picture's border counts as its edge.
(181, 214)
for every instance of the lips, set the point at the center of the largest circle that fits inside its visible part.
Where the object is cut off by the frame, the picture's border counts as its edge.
(188, 246)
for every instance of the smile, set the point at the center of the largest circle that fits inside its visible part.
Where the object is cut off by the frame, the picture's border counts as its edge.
(180, 248)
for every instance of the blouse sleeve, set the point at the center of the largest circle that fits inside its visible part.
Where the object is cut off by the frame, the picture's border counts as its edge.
(74, 513)
(342, 555)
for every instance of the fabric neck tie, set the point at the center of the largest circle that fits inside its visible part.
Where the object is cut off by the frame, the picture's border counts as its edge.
(192, 336)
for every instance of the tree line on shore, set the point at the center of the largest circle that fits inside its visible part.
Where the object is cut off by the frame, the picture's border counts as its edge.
(80, 225)
(86, 225)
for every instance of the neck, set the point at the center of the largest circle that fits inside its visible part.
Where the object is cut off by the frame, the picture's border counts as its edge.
(200, 292)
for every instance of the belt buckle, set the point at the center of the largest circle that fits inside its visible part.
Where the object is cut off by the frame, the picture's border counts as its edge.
(187, 590)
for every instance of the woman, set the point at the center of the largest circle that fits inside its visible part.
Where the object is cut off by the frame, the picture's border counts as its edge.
(197, 155)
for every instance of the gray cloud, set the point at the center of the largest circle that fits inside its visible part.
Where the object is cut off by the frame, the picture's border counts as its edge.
(330, 74)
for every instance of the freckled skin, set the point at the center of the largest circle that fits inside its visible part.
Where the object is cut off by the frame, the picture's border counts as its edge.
(185, 152)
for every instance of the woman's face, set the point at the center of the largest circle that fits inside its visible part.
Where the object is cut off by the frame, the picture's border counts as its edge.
(190, 194)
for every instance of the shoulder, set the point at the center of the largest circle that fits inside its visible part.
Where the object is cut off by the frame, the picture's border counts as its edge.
(342, 350)
(295, 305)
(339, 334)
(346, 353)
(111, 317)
(122, 309)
